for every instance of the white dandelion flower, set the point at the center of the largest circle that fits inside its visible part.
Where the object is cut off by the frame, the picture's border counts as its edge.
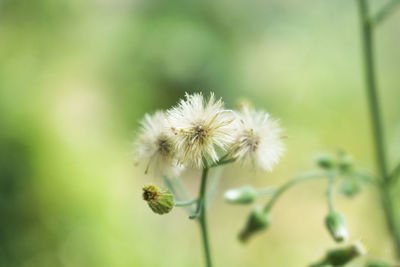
(154, 145)
(258, 139)
(199, 127)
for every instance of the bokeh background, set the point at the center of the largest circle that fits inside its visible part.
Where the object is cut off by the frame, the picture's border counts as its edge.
(76, 76)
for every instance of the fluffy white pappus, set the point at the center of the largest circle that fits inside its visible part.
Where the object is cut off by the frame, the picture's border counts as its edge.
(258, 139)
(199, 126)
(155, 146)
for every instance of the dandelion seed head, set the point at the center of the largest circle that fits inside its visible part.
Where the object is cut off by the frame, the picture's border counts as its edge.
(258, 139)
(199, 126)
(154, 146)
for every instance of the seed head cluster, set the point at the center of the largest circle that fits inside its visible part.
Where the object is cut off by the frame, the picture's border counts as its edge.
(198, 130)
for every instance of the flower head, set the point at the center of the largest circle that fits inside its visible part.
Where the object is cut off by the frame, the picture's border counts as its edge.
(160, 201)
(258, 139)
(155, 145)
(199, 127)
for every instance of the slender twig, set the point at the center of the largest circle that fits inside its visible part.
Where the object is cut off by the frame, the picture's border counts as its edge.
(385, 11)
(181, 188)
(286, 186)
(367, 40)
(365, 178)
(202, 216)
(171, 188)
(215, 179)
(178, 196)
(222, 161)
(266, 191)
(185, 203)
(373, 101)
(329, 192)
(395, 174)
(196, 215)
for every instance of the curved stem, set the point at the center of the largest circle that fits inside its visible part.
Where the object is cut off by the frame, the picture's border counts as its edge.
(185, 203)
(283, 188)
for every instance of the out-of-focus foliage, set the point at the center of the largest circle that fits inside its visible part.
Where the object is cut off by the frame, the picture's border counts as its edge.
(75, 76)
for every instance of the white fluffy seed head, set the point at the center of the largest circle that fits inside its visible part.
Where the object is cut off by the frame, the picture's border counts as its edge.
(258, 139)
(155, 146)
(199, 126)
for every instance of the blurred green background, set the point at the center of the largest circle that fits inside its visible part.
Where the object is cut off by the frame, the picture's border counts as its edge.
(76, 76)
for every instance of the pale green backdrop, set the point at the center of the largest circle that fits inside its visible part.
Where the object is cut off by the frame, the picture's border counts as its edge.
(76, 76)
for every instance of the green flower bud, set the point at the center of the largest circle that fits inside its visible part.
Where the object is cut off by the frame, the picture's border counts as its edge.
(160, 201)
(350, 187)
(345, 162)
(258, 220)
(325, 161)
(242, 195)
(378, 263)
(337, 226)
(342, 256)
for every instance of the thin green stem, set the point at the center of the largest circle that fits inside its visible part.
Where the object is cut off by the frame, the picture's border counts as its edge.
(368, 49)
(185, 203)
(266, 191)
(385, 11)
(395, 174)
(373, 101)
(215, 179)
(289, 184)
(329, 192)
(202, 216)
(178, 196)
(366, 178)
(222, 161)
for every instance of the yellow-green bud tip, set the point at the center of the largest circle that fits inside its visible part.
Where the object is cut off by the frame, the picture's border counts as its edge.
(160, 201)
(151, 192)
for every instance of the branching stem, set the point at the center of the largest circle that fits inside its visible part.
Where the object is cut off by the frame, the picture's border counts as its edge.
(289, 184)
(369, 67)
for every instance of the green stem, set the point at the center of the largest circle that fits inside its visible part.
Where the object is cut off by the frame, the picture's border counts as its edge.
(185, 203)
(202, 216)
(367, 40)
(171, 186)
(329, 192)
(286, 186)
(222, 161)
(265, 191)
(369, 68)
(385, 11)
(395, 174)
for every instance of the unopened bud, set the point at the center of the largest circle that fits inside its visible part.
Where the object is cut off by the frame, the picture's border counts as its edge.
(160, 201)
(258, 220)
(342, 256)
(345, 162)
(337, 226)
(325, 161)
(242, 195)
(350, 187)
